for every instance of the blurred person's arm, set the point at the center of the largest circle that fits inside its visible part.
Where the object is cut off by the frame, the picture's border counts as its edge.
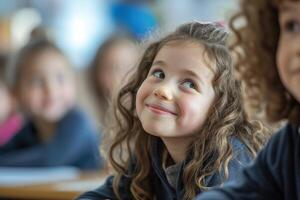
(106, 191)
(269, 177)
(21, 150)
(74, 144)
(241, 158)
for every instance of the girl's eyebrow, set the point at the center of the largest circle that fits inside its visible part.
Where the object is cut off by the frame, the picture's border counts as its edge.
(193, 74)
(287, 7)
(159, 62)
(184, 71)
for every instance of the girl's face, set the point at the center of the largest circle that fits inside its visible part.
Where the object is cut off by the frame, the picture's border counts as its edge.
(46, 87)
(5, 103)
(175, 98)
(288, 53)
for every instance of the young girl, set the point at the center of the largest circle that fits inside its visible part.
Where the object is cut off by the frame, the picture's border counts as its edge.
(182, 127)
(270, 41)
(56, 132)
(114, 58)
(10, 120)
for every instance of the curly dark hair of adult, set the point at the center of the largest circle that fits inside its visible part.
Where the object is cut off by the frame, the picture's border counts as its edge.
(255, 46)
(211, 149)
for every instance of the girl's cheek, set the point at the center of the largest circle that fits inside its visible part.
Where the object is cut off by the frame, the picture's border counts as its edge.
(188, 104)
(193, 110)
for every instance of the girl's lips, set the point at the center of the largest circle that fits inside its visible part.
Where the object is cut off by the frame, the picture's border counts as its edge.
(160, 110)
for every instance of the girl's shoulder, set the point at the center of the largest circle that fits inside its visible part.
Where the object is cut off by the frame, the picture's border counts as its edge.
(283, 142)
(241, 157)
(76, 118)
(74, 114)
(240, 150)
(237, 143)
(78, 125)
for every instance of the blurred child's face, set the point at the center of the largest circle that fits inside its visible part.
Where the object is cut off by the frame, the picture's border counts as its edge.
(46, 87)
(5, 103)
(175, 98)
(288, 52)
(115, 63)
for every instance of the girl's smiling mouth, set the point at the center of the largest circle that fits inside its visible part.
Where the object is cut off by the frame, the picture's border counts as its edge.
(160, 109)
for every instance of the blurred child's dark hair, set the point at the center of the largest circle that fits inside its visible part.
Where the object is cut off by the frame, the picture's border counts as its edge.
(256, 42)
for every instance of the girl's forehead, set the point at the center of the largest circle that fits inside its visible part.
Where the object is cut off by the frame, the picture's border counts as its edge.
(184, 53)
(183, 43)
(46, 61)
(206, 55)
(47, 55)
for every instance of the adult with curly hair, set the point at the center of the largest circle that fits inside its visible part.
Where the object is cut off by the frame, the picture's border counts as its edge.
(270, 65)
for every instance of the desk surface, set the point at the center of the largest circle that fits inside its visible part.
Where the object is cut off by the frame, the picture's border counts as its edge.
(63, 190)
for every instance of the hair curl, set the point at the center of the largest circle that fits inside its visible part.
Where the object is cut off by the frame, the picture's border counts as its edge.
(255, 46)
(211, 150)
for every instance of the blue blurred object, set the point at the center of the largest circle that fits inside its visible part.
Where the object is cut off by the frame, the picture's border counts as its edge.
(137, 19)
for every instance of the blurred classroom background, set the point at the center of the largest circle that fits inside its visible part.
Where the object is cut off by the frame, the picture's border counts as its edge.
(99, 38)
(79, 27)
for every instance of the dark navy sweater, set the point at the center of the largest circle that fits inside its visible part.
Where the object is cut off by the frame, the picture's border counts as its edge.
(161, 186)
(75, 143)
(275, 174)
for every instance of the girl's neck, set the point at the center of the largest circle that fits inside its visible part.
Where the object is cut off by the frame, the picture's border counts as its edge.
(177, 147)
(45, 129)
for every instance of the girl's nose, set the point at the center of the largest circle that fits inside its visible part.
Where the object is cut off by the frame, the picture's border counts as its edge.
(163, 93)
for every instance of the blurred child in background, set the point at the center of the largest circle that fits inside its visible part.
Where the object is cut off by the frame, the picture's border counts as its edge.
(270, 65)
(56, 132)
(113, 60)
(10, 120)
(180, 123)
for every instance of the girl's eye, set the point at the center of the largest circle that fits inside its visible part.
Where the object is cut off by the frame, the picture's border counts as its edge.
(158, 74)
(189, 84)
(291, 26)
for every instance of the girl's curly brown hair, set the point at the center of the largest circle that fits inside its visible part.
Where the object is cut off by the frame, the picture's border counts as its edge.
(211, 149)
(255, 46)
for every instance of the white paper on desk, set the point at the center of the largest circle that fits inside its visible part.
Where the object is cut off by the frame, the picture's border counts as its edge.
(80, 186)
(16, 176)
